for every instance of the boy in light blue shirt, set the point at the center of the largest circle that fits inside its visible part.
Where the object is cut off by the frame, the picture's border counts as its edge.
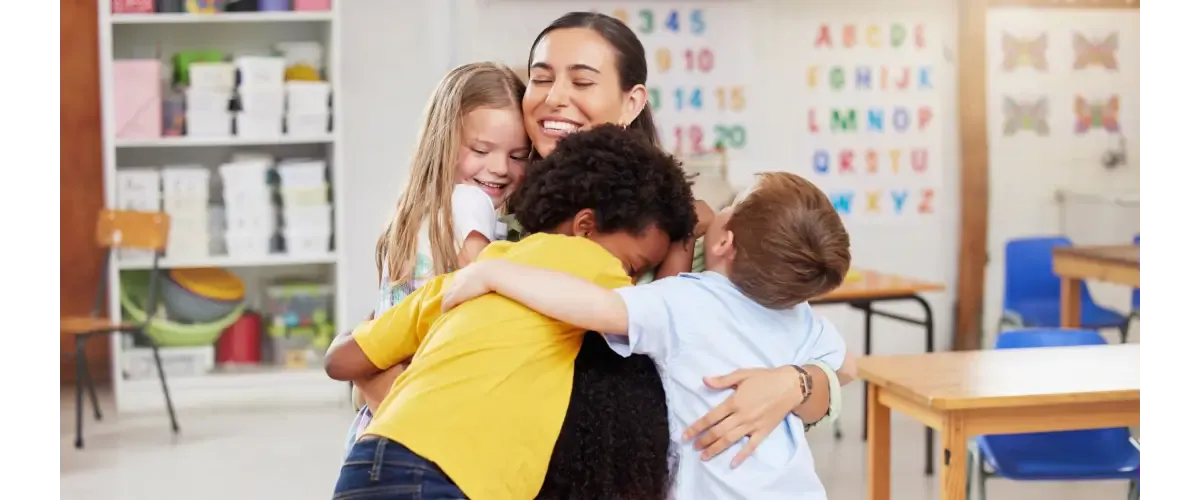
(779, 245)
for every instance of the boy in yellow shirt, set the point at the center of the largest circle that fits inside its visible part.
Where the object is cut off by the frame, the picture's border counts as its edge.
(477, 412)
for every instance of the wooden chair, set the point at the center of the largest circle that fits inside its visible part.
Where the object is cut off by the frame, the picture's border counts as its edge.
(118, 229)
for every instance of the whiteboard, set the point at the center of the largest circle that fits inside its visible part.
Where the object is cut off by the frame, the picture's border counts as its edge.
(873, 127)
(699, 56)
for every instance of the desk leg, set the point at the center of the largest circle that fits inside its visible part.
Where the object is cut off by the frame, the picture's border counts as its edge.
(954, 458)
(879, 446)
(1072, 302)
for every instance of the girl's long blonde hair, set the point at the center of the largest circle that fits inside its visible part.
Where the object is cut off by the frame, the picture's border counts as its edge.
(435, 164)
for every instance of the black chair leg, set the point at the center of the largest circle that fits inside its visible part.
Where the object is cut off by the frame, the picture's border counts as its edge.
(1125, 331)
(85, 377)
(80, 368)
(1135, 490)
(166, 394)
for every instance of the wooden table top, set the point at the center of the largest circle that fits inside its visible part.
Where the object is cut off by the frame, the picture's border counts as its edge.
(1124, 255)
(1010, 377)
(863, 284)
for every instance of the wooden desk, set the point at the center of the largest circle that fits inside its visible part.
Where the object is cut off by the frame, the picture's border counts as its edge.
(873, 285)
(1117, 264)
(862, 292)
(1006, 391)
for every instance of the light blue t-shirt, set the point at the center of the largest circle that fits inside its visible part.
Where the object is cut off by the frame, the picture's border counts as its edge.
(694, 325)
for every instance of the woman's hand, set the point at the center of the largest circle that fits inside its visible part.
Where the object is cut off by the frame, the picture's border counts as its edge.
(466, 284)
(761, 400)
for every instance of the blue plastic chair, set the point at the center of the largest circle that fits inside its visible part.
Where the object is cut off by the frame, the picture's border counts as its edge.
(1057, 456)
(1136, 303)
(1032, 291)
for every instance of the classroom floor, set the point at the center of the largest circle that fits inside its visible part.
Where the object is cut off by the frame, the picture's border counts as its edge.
(295, 454)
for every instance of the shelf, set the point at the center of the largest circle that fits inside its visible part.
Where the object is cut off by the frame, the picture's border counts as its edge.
(224, 17)
(227, 261)
(208, 142)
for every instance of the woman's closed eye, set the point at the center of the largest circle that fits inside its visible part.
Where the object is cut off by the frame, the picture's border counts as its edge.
(583, 84)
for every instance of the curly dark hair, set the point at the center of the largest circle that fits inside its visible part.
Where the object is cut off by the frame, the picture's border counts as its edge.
(630, 183)
(615, 442)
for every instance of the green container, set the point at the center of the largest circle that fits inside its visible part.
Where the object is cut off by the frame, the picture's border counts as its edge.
(135, 287)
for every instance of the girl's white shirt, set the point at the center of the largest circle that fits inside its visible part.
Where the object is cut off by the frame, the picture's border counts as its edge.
(471, 211)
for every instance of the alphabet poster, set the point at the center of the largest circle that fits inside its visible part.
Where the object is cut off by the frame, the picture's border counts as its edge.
(873, 130)
(699, 56)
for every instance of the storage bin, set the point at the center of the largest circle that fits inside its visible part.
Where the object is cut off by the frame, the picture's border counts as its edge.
(262, 100)
(245, 171)
(308, 98)
(312, 218)
(301, 173)
(294, 197)
(247, 244)
(274, 5)
(248, 198)
(193, 246)
(311, 5)
(210, 125)
(139, 184)
(300, 323)
(206, 100)
(132, 6)
(309, 54)
(307, 125)
(250, 222)
(304, 241)
(259, 126)
(185, 181)
(260, 70)
(212, 75)
(137, 98)
(137, 363)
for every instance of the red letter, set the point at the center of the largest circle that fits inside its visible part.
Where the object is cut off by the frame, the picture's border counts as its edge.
(872, 161)
(848, 36)
(902, 82)
(924, 115)
(812, 121)
(919, 36)
(846, 162)
(823, 38)
(926, 206)
(920, 160)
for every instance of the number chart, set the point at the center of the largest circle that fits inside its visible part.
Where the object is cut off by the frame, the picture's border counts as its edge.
(699, 57)
(873, 129)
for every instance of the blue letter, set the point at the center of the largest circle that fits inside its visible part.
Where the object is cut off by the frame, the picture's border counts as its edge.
(821, 161)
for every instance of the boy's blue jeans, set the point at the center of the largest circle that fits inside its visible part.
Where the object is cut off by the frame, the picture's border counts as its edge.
(379, 468)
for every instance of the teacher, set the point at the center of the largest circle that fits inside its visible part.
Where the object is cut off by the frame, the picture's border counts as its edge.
(587, 69)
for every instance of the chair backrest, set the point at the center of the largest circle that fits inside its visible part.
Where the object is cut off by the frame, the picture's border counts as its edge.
(129, 229)
(1047, 337)
(1029, 270)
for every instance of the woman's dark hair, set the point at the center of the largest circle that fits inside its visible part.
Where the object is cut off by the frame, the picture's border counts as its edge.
(615, 442)
(631, 57)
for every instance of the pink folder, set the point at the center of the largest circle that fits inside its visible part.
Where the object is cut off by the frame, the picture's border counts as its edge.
(137, 98)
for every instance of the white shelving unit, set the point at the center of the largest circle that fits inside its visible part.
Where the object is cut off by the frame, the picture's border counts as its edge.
(124, 36)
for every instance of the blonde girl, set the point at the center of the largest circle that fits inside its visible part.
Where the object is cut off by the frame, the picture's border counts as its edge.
(470, 155)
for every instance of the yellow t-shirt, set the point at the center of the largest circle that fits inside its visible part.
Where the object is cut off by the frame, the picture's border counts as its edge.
(487, 390)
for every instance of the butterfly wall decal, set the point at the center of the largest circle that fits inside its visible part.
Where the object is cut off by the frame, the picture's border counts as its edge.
(1097, 114)
(1026, 115)
(1101, 53)
(1024, 52)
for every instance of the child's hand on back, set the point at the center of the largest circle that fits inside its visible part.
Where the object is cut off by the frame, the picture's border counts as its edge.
(467, 283)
